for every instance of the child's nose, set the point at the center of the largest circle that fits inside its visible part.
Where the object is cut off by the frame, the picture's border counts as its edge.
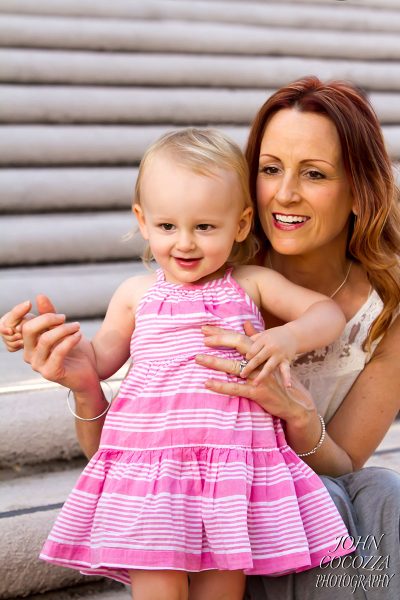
(185, 241)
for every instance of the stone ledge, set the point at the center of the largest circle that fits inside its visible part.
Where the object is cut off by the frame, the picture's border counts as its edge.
(28, 145)
(203, 38)
(36, 190)
(107, 68)
(252, 13)
(96, 284)
(67, 238)
(66, 104)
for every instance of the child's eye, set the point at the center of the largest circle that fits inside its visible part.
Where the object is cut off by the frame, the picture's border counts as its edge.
(205, 227)
(167, 226)
(269, 170)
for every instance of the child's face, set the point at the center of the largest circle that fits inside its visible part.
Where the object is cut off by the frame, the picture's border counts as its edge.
(191, 221)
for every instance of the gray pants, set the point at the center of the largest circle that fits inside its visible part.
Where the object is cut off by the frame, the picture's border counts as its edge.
(369, 502)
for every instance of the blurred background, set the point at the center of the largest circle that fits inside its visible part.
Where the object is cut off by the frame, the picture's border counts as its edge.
(85, 87)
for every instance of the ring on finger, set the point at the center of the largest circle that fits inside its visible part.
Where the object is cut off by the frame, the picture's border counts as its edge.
(243, 363)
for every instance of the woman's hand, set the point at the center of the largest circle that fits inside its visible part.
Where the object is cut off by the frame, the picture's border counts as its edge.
(294, 404)
(50, 345)
(12, 322)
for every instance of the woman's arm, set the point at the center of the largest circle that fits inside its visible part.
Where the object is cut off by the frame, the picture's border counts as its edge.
(357, 427)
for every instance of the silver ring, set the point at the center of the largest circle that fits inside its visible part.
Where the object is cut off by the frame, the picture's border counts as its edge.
(243, 363)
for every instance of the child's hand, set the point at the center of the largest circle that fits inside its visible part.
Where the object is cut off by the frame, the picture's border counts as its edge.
(11, 326)
(275, 347)
(11, 323)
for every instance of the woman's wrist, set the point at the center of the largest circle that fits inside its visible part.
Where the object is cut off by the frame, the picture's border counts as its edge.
(91, 401)
(303, 431)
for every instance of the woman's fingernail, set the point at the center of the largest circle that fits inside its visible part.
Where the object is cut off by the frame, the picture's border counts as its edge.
(60, 316)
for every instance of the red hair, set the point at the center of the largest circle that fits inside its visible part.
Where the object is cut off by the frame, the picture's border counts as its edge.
(374, 235)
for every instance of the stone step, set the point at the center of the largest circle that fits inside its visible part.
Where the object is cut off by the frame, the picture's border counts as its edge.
(279, 14)
(63, 104)
(114, 68)
(69, 238)
(79, 145)
(202, 38)
(33, 190)
(104, 590)
(80, 291)
(36, 426)
(378, 4)
(28, 145)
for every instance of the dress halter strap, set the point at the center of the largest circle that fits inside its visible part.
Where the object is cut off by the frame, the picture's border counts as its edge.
(160, 275)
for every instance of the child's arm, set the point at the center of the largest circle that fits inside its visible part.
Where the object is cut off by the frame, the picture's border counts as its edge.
(312, 320)
(109, 349)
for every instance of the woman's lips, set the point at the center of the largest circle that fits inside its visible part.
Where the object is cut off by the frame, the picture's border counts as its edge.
(286, 222)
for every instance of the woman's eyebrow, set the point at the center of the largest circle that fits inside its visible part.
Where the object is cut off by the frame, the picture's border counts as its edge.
(305, 160)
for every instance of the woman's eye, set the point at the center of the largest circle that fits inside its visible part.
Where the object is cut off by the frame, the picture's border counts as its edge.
(205, 227)
(166, 226)
(315, 175)
(269, 170)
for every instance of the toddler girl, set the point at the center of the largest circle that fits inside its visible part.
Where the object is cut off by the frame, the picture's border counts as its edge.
(187, 481)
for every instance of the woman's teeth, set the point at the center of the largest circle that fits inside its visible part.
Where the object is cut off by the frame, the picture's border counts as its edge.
(289, 219)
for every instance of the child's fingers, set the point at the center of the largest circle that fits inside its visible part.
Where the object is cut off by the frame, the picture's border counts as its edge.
(252, 364)
(284, 369)
(16, 314)
(266, 371)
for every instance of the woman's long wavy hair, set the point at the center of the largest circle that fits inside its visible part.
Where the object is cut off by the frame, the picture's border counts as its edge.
(374, 231)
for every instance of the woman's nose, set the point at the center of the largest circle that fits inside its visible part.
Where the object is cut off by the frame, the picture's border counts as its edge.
(287, 191)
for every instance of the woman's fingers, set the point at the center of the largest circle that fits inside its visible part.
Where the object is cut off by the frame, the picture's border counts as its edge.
(54, 368)
(216, 337)
(34, 328)
(226, 365)
(249, 329)
(44, 304)
(48, 341)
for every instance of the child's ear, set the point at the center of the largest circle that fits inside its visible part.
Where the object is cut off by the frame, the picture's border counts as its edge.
(139, 214)
(244, 225)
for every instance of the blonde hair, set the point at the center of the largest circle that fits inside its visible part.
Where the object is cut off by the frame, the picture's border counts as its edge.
(203, 151)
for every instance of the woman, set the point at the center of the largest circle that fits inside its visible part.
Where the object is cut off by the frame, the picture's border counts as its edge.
(328, 220)
(326, 202)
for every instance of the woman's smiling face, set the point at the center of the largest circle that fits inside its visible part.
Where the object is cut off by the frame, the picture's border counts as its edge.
(303, 194)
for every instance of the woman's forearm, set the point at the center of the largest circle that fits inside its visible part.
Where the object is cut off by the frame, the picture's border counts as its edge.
(90, 404)
(303, 435)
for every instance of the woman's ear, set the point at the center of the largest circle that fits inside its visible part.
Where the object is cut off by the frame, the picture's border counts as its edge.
(139, 214)
(244, 225)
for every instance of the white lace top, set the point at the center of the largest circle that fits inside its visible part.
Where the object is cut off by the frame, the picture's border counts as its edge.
(329, 373)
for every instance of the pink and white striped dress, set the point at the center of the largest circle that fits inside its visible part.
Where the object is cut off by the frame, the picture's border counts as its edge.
(186, 478)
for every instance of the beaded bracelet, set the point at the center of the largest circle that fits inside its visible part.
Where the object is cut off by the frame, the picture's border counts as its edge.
(320, 441)
(98, 416)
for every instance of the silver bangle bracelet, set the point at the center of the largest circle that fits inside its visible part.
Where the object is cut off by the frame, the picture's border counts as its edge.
(101, 414)
(320, 442)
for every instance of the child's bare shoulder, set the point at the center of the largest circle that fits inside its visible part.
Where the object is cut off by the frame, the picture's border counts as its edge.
(131, 291)
(248, 277)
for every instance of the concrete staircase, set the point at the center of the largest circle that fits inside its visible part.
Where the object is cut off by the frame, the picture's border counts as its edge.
(85, 86)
